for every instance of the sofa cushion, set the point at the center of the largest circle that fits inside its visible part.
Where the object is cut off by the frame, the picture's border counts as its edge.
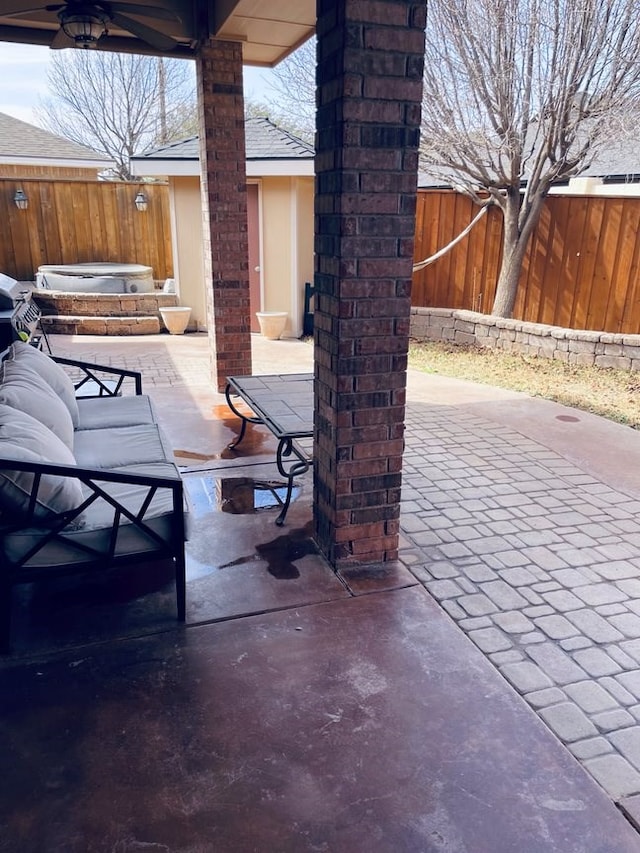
(119, 446)
(24, 438)
(52, 373)
(23, 388)
(101, 412)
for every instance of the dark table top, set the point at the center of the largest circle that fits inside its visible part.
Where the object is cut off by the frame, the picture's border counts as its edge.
(284, 402)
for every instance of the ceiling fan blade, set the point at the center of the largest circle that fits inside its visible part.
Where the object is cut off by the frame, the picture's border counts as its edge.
(158, 40)
(145, 11)
(61, 40)
(14, 13)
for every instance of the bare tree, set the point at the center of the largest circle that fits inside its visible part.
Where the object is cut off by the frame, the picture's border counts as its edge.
(520, 94)
(293, 105)
(256, 109)
(119, 104)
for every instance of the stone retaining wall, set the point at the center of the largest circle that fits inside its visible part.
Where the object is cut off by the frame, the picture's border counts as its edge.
(599, 349)
(56, 302)
(102, 313)
(76, 325)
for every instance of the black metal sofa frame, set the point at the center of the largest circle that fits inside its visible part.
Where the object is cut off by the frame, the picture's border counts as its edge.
(167, 543)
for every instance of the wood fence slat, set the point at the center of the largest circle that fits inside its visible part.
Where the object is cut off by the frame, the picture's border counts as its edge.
(632, 296)
(580, 233)
(417, 290)
(588, 262)
(599, 301)
(50, 216)
(462, 212)
(558, 307)
(624, 253)
(492, 256)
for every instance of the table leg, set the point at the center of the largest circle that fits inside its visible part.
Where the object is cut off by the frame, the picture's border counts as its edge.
(246, 419)
(285, 449)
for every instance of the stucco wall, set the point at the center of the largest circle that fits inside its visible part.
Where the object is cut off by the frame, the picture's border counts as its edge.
(599, 349)
(277, 233)
(286, 210)
(186, 223)
(287, 229)
(306, 197)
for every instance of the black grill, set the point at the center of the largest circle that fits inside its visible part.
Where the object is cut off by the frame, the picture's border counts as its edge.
(19, 314)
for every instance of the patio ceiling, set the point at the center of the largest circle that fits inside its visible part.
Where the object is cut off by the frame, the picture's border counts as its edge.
(268, 29)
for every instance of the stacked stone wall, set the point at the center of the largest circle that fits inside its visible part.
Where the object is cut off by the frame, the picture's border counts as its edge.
(573, 346)
(102, 313)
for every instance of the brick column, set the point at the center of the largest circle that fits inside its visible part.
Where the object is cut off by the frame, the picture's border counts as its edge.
(370, 61)
(224, 204)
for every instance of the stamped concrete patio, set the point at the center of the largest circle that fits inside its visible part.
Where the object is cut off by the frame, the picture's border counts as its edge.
(481, 696)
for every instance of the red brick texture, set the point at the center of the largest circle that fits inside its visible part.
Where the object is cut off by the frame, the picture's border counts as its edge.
(370, 59)
(224, 197)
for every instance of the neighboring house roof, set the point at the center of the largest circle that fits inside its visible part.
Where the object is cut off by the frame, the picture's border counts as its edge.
(618, 162)
(25, 144)
(435, 178)
(270, 150)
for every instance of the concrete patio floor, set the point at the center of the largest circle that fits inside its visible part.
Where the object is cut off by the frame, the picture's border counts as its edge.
(481, 696)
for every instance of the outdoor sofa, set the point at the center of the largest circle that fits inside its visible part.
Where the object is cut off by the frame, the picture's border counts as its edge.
(88, 482)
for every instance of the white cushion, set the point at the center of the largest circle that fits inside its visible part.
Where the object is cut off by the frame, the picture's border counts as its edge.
(24, 389)
(52, 373)
(26, 439)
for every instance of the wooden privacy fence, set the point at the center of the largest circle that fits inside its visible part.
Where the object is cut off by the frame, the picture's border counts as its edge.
(581, 270)
(77, 221)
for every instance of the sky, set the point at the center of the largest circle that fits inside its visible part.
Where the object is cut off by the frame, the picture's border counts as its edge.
(23, 79)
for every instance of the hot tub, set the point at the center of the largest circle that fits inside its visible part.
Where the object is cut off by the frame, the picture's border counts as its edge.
(96, 278)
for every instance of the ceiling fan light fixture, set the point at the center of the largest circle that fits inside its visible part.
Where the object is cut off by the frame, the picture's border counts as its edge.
(84, 28)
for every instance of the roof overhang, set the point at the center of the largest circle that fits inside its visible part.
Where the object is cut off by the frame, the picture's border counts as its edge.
(58, 162)
(155, 167)
(267, 29)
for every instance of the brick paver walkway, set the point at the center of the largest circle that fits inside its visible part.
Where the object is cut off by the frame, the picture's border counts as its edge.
(539, 564)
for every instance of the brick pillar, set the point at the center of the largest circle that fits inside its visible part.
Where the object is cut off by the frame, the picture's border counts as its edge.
(224, 205)
(370, 61)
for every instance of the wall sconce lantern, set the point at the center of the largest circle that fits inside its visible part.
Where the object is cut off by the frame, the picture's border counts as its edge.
(141, 201)
(20, 200)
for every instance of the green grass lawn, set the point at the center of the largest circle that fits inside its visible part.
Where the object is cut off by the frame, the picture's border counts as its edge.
(603, 391)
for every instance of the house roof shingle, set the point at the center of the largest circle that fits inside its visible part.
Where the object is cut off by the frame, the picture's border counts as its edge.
(263, 140)
(616, 162)
(18, 139)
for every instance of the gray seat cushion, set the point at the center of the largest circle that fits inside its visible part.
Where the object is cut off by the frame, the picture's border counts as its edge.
(119, 446)
(104, 412)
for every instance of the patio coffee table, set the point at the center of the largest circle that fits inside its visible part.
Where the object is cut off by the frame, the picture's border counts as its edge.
(284, 404)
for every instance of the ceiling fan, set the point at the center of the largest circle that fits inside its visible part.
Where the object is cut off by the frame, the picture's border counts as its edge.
(82, 24)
